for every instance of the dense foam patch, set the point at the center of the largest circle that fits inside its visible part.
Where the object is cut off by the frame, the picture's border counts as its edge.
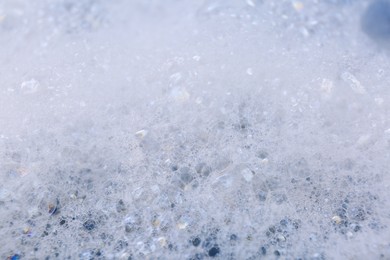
(227, 129)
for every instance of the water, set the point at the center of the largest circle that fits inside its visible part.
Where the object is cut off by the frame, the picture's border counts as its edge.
(196, 129)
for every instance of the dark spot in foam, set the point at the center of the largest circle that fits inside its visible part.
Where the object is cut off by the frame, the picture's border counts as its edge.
(375, 21)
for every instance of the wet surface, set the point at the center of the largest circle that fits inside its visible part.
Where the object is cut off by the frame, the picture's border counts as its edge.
(205, 129)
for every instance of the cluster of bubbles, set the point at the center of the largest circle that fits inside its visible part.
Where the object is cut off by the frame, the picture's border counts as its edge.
(204, 149)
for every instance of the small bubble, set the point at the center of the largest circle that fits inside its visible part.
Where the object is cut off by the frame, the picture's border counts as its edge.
(15, 257)
(196, 241)
(89, 224)
(214, 251)
(120, 206)
(203, 169)
(262, 195)
(233, 237)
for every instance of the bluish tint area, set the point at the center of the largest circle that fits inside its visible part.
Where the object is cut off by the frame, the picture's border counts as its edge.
(225, 129)
(376, 20)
